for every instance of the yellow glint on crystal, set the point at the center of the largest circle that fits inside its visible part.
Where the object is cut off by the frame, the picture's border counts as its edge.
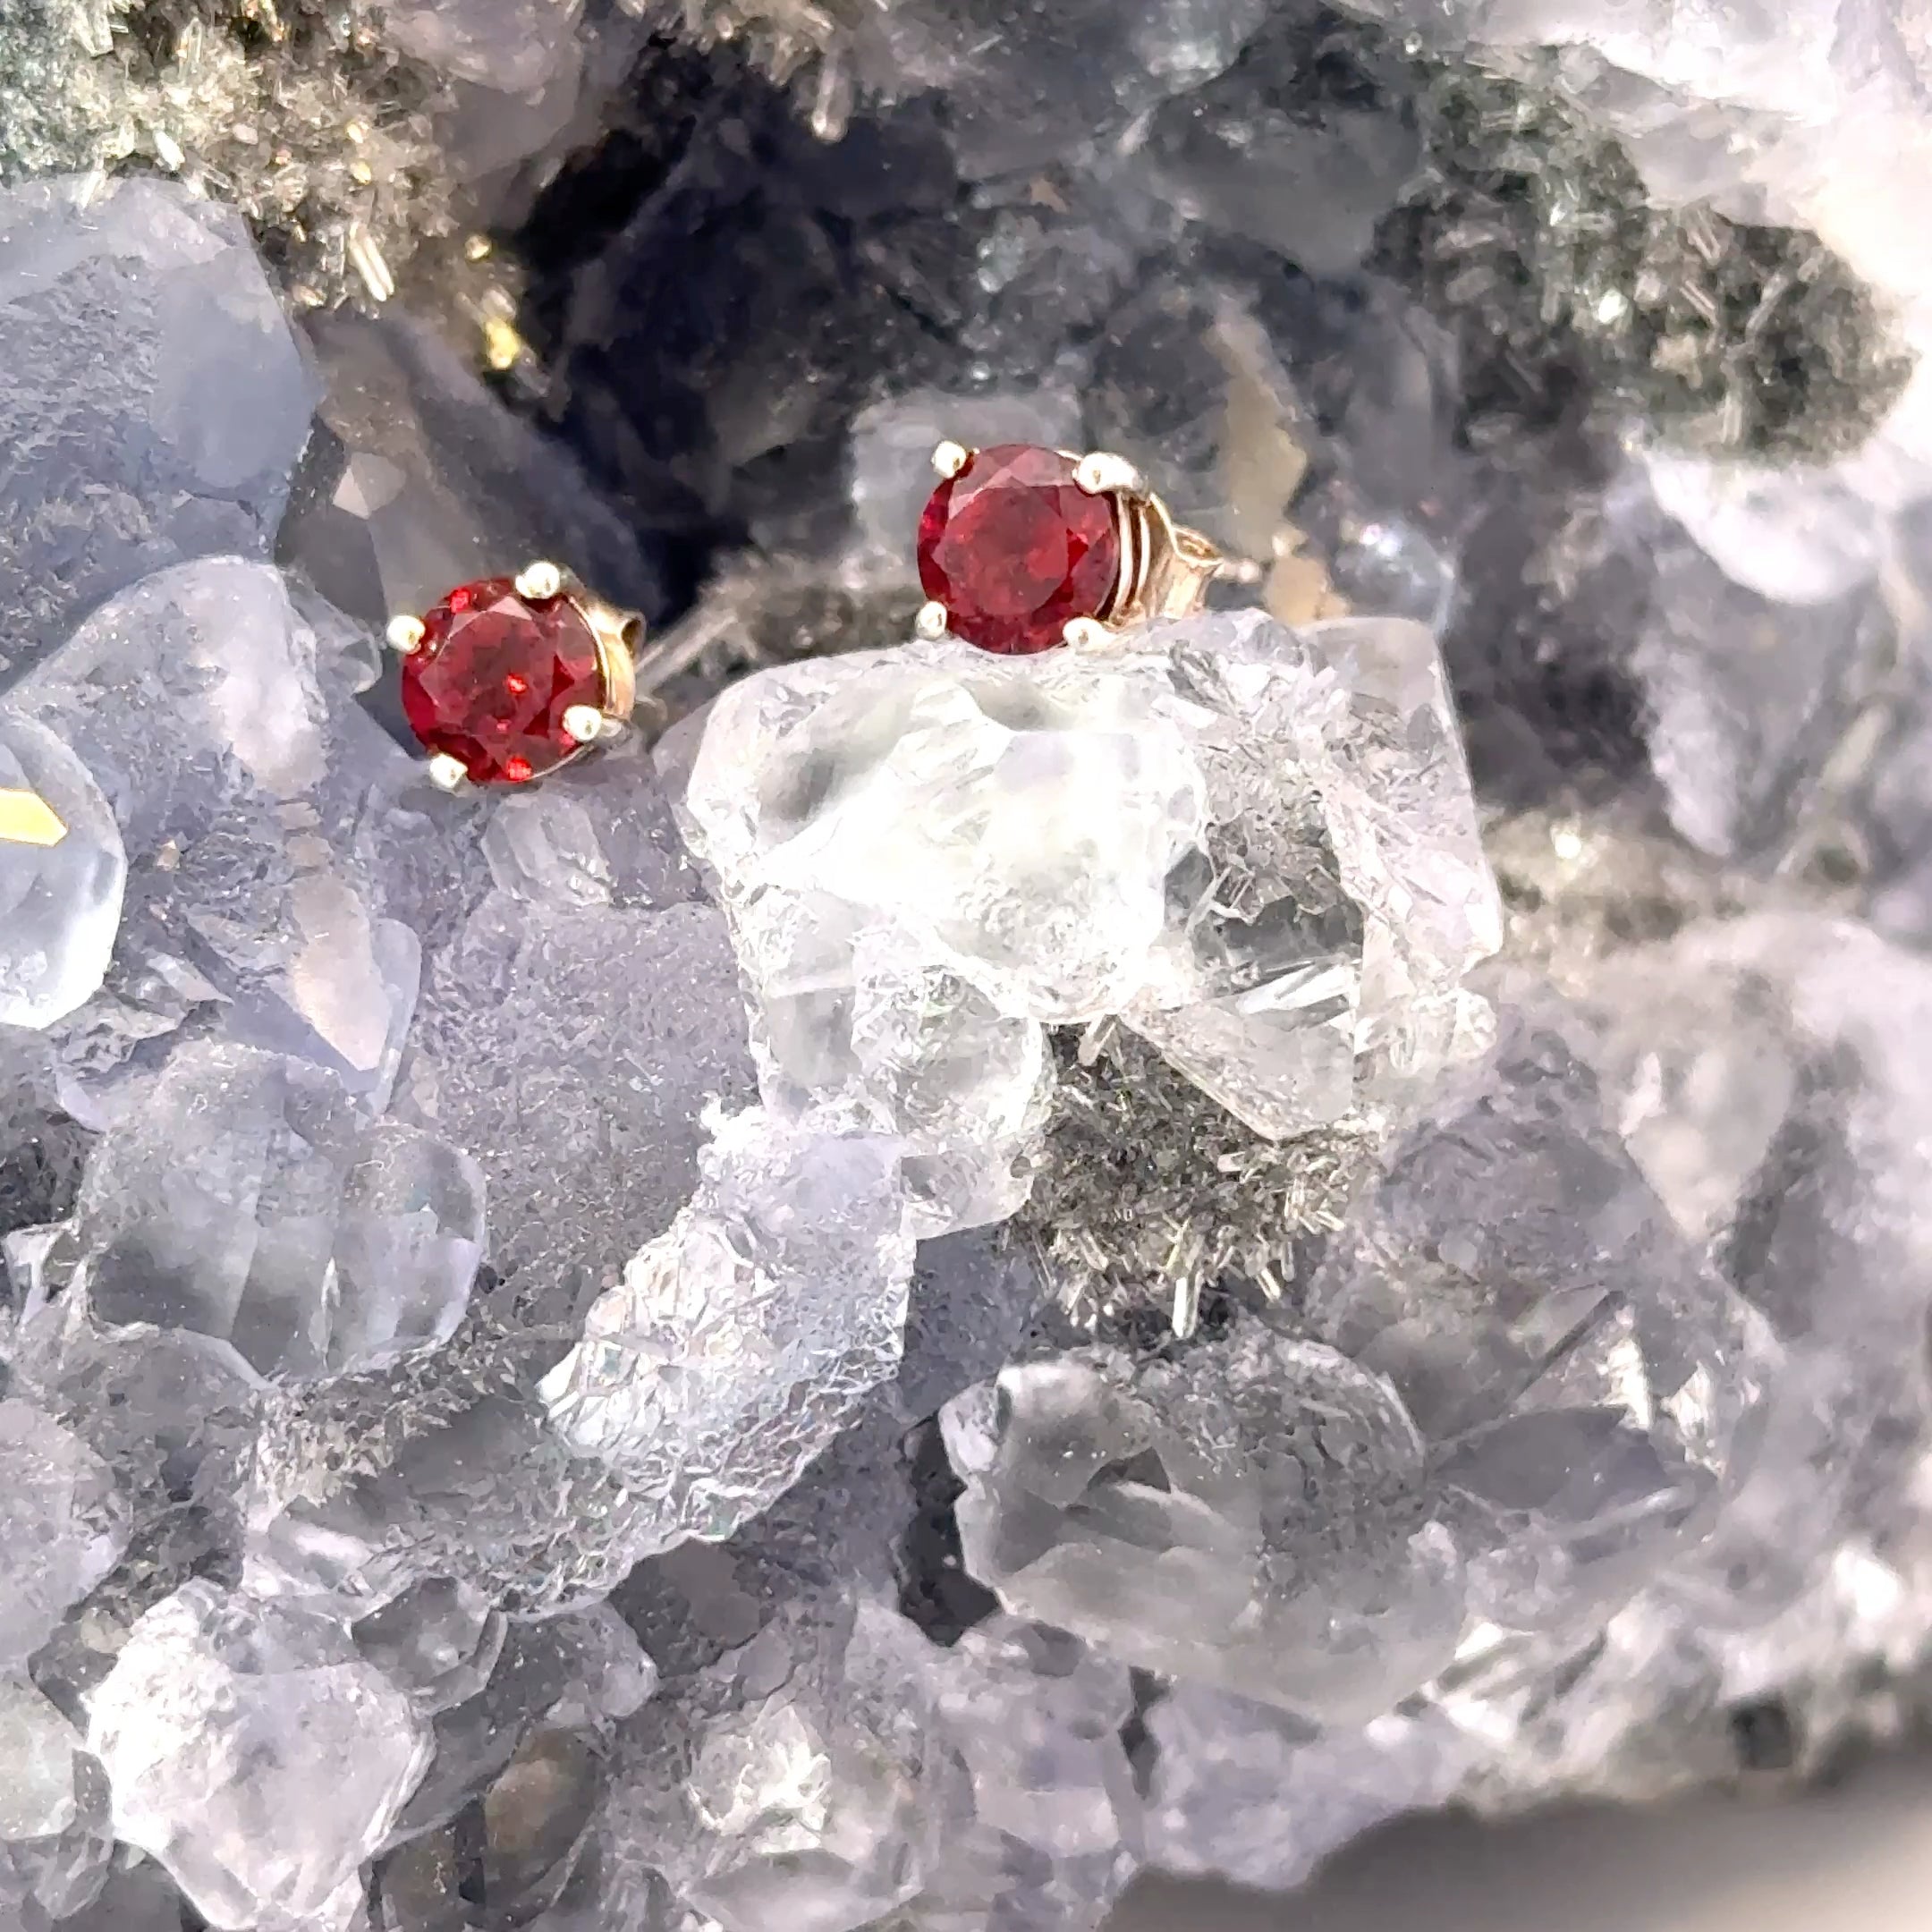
(26, 818)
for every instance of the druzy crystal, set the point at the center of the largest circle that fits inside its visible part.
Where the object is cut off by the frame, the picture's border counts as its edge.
(1015, 548)
(987, 1267)
(493, 677)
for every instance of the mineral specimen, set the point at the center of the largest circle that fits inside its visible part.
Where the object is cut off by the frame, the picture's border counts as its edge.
(248, 1201)
(742, 1339)
(223, 733)
(63, 1524)
(976, 1271)
(221, 1713)
(970, 852)
(156, 401)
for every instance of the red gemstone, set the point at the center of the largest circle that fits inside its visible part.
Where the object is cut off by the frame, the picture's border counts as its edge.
(1015, 548)
(495, 674)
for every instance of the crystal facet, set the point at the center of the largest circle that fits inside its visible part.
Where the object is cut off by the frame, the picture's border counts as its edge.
(254, 1754)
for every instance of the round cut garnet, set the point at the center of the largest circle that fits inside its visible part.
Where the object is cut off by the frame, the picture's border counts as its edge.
(1015, 548)
(492, 676)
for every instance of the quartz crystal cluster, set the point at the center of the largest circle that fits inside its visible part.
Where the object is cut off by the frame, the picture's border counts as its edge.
(974, 1273)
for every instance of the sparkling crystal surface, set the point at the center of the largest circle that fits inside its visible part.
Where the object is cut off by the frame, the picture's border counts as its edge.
(223, 732)
(741, 1339)
(62, 1522)
(221, 1713)
(157, 403)
(943, 855)
(1094, 1262)
(1253, 1516)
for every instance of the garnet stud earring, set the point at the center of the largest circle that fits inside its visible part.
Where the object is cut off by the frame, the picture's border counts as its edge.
(1022, 548)
(507, 678)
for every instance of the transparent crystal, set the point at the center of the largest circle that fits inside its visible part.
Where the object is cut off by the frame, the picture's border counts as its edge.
(1054, 1829)
(815, 1795)
(228, 740)
(254, 1754)
(155, 404)
(742, 1339)
(573, 1049)
(1256, 845)
(1343, 893)
(1250, 1793)
(37, 1764)
(63, 1527)
(62, 875)
(249, 1201)
(1252, 1514)
(1592, 1387)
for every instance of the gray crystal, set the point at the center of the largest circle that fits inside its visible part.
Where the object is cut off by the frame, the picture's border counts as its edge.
(1028, 81)
(37, 1764)
(573, 1051)
(424, 479)
(1251, 1514)
(62, 1527)
(439, 1642)
(601, 833)
(227, 741)
(62, 875)
(249, 1201)
(157, 402)
(1244, 1791)
(224, 1712)
(1053, 1830)
(1591, 1386)
(741, 1341)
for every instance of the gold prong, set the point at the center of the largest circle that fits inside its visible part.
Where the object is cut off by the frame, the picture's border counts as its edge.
(1102, 472)
(405, 634)
(584, 722)
(1086, 633)
(932, 621)
(950, 458)
(446, 773)
(539, 581)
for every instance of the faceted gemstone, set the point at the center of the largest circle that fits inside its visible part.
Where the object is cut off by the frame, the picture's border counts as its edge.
(1014, 547)
(494, 676)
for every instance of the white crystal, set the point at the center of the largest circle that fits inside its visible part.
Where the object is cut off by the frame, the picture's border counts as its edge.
(573, 1049)
(1252, 1514)
(1243, 1792)
(62, 875)
(254, 1754)
(37, 1764)
(741, 1341)
(1259, 845)
(252, 1202)
(1346, 893)
(235, 759)
(153, 400)
(63, 1527)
